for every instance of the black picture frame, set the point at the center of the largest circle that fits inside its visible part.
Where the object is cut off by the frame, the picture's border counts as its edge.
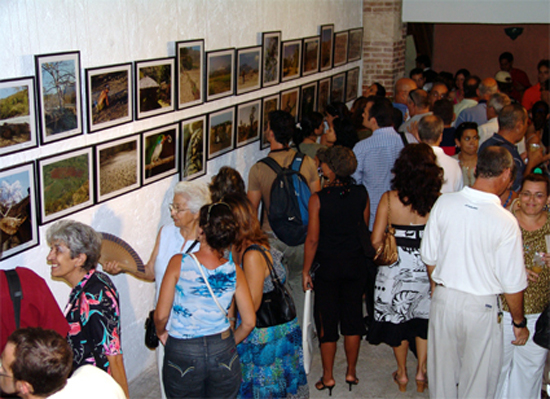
(59, 95)
(19, 213)
(160, 153)
(311, 51)
(269, 103)
(352, 84)
(308, 96)
(221, 132)
(109, 96)
(248, 71)
(190, 78)
(271, 54)
(291, 63)
(290, 101)
(340, 52)
(355, 46)
(248, 125)
(327, 37)
(338, 87)
(323, 94)
(220, 74)
(154, 87)
(18, 127)
(193, 157)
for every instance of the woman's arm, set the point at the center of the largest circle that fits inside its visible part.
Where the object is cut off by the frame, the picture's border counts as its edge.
(255, 267)
(366, 213)
(312, 240)
(380, 222)
(246, 307)
(166, 297)
(116, 362)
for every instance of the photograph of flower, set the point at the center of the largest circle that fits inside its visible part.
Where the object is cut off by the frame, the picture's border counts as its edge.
(220, 72)
(221, 129)
(271, 46)
(248, 122)
(154, 87)
(248, 69)
(292, 60)
(190, 61)
(160, 153)
(194, 147)
(327, 33)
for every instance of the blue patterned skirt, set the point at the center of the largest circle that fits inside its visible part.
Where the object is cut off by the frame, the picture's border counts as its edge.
(272, 363)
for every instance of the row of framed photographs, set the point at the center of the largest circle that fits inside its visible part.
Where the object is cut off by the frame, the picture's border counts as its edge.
(112, 91)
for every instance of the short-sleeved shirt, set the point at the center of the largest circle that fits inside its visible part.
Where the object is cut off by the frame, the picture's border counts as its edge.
(261, 177)
(38, 306)
(499, 141)
(531, 96)
(93, 314)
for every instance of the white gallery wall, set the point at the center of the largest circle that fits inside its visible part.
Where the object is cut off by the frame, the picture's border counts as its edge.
(110, 32)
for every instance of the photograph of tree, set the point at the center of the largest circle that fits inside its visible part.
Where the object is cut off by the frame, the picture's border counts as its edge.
(160, 153)
(352, 84)
(338, 86)
(340, 48)
(271, 42)
(290, 99)
(194, 148)
(17, 115)
(327, 33)
(355, 44)
(324, 94)
(311, 55)
(248, 122)
(190, 60)
(109, 93)
(220, 67)
(59, 94)
(65, 184)
(270, 103)
(155, 91)
(248, 69)
(309, 99)
(221, 127)
(117, 167)
(292, 60)
(17, 210)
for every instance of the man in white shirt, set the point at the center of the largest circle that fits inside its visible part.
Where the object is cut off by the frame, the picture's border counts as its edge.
(494, 105)
(418, 103)
(36, 364)
(473, 251)
(430, 131)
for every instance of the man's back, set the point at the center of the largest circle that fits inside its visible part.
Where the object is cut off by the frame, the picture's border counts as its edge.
(90, 382)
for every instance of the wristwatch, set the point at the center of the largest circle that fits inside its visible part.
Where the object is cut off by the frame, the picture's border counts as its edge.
(523, 323)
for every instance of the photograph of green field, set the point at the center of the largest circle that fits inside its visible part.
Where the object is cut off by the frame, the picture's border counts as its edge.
(118, 167)
(220, 74)
(65, 184)
(16, 116)
(190, 61)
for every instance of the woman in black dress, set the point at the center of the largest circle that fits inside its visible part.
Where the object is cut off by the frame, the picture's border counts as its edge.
(338, 216)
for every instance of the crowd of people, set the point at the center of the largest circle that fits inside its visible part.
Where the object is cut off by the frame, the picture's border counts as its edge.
(455, 168)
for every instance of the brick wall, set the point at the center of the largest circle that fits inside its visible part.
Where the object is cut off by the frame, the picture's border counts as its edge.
(383, 43)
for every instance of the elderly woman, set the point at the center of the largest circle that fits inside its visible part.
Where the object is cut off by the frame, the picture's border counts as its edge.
(201, 359)
(338, 214)
(522, 366)
(93, 311)
(179, 236)
(402, 293)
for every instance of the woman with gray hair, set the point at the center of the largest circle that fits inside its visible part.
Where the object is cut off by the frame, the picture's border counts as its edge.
(93, 311)
(177, 237)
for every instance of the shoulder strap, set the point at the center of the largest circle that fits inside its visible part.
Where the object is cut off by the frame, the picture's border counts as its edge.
(389, 212)
(297, 162)
(192, 246)
(273, 164)
(208, 285)
(16, 294)
(272, 272)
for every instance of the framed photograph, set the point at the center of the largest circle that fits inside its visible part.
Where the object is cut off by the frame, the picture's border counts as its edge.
(160, 153)
(220, 74)
(340, 48)
(109, 96)
(338, 88)
(355, 46)
(309, 99)
(117, 167)
(327, 34)
(190, 67)
(249, 73)
(311, 55)
(59, 95)
(270, 103)
(194, 148)
(248, 122)
(17, 115)
(18, 214)
(290, 100)
(154, 87)
(323, 94)
(271, 52)
(292, 60)
(221, 127)
(352, 84)
(66, 184)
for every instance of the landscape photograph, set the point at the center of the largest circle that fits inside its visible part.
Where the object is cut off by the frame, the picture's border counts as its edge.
(355, 44)
(248, 69)
(194, 146)
(309, 99)
(65, 184)
(156, 92)
(311, 55)
(340, 48)
(220, 138)
(290, 100)
(269, 104)
(248, 123)
(118, 170)
(190, 57)
(323, 95)
(160, 153)
(292, 57)
(337, 92)
(271, 55)
(220, 74)
(18, 225)
(352, 84)
(327, 32)
(17, 115)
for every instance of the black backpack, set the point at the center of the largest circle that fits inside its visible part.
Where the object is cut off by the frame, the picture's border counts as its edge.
(289, 197)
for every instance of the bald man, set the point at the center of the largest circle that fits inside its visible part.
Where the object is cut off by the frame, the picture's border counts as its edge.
(402, 88)
(478, 114)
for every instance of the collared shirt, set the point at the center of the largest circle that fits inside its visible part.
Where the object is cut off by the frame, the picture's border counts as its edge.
(531, 96)
(375, 158)
(477, 114)
(405, 127)
(475, 244)
(452, 173)
(461, 106)
(499, 141)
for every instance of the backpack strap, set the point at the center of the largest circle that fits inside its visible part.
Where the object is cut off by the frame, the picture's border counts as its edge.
(272, 164)
(297, 162)
(16, 294)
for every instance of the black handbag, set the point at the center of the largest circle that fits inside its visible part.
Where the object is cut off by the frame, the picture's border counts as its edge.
(277, 306)
(542, 329)
(151, 339)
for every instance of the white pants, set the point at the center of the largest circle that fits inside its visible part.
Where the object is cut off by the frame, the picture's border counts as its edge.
(522, 366)
(464, 345)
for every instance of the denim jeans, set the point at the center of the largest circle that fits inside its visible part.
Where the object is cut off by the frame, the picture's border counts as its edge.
(205, 367)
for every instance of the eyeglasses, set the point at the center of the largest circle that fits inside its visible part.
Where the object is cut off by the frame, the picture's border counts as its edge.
(174, 208)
